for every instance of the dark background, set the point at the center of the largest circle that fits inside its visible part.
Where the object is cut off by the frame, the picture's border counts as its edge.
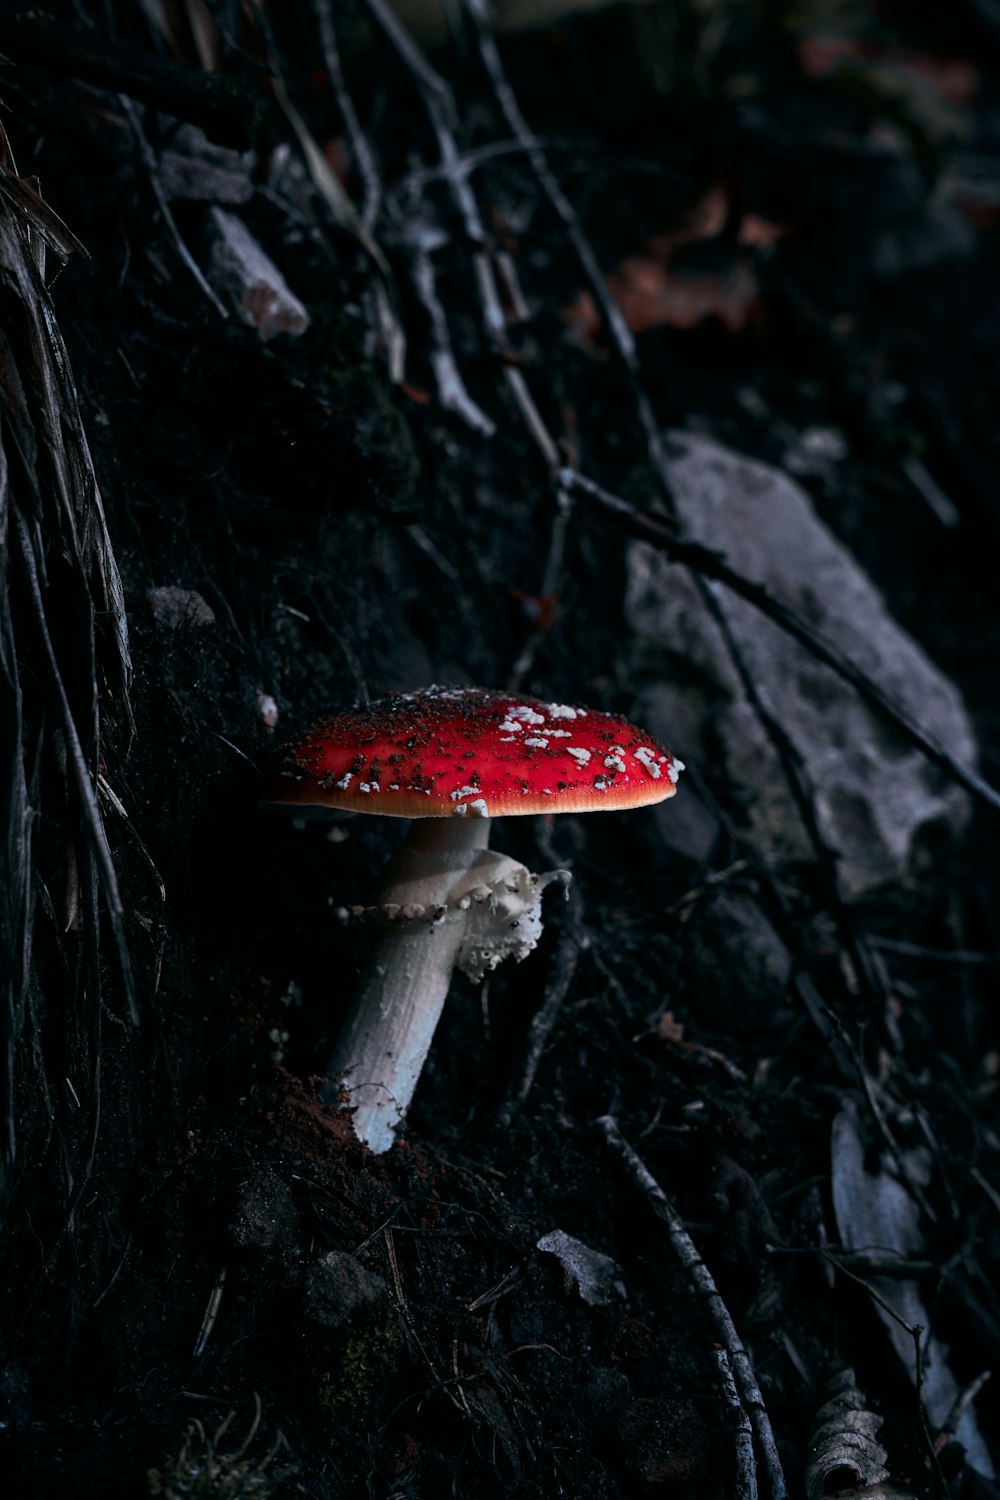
(798, 207)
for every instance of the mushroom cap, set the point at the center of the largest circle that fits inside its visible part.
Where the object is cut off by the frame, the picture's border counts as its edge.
(467, 752)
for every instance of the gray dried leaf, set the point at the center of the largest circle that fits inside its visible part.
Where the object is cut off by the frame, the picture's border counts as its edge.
(196, 169)
(875, 1211)
(249, 281)
(174, 607)
(597, 1278)
(844, 1451)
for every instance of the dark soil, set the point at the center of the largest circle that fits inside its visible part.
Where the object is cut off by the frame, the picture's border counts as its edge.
(393, 1316)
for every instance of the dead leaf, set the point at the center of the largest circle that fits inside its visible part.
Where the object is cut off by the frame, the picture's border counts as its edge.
(338, 159)
(415, 393)
(760, 234)
(651, 294)
(844, 1449)
(653, 290)
(957, 80)
(822, 52)
(539, 609)
(704, 221)
(598, 1279)
(666, 1029)
(874, 1209)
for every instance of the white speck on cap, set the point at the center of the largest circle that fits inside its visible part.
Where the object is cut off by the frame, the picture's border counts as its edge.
(268, 709)
(647, 757)
(578, 753)
(478, 808)
(536, 743)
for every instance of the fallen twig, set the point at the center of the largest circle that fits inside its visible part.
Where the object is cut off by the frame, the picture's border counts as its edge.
(548, 589)
(543, 1022)
(451, 390)
(961, 956)
(332, 194)
(619, 331)
(712, 565)
(739, 1360)
(746, 1466)
(439, 105)
(797, 780)
(364, 159)
(148, 157)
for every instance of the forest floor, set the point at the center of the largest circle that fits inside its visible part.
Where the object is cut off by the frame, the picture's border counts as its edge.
(797, 210)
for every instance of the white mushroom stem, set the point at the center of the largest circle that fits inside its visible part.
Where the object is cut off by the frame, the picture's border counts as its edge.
(445, 901)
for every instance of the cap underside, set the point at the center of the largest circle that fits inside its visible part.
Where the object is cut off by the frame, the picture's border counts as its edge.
(409, 804)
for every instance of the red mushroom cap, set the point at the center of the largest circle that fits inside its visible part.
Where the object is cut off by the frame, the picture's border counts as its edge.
(443, 752)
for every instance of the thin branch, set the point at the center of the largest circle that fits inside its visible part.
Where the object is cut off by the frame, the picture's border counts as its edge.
(451, 389)
(710, 564)
(746, 1466)
(330, 190)
(439, 104)
(961, 956)
(549, 587)
(544, 1020)
(798, 781)
(148, 156)
(209, 1320)
(916, 1332)
(621, 335)
(701, 1277)
(361, 151)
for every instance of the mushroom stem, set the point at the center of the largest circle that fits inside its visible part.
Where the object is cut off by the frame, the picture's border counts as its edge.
(384, 1044)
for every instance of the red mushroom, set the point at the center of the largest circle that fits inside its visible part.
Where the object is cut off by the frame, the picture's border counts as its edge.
(451, 759)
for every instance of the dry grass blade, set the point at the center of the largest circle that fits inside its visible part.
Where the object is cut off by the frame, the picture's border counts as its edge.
(63, 638)
(24, 200)
(14, 835)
